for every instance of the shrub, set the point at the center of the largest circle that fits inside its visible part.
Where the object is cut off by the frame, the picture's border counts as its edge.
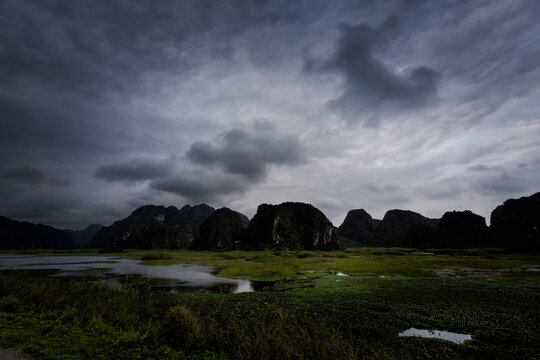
(10, 303)
(181, 327)
(156, 256)
(443, 251)
(498, 251)
(305, 254)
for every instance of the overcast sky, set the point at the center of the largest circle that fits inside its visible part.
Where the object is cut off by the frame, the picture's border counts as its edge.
(422, 105)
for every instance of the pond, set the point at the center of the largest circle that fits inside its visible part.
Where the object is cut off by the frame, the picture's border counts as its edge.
(185, 278)
(436, 334)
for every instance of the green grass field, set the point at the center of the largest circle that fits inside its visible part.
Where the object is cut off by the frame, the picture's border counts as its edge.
(307, 313)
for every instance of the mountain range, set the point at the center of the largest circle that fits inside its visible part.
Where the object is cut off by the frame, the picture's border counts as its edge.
(515, 225)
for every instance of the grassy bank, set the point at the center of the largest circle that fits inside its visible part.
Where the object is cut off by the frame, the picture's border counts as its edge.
(269, 265)
(318, 316)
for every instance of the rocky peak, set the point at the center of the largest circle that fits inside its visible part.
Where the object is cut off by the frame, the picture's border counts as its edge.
(516, 224)
(224, 228)
(142, 227)
(392, 231)
(461, 229)
(291, 225)
(358, 226)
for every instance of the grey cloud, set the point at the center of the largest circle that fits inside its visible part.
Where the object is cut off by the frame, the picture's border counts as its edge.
(378, 188)
(444, 189)
(493, 181)
(89, 85)
(25, 174)
(502, 184)
(369, 82)
(478, 168)
(51, 124)
(97, 46)
(59, 182)
(135, 170)
(487, 48)
(202, 186)
(234, 162)
(248, 153)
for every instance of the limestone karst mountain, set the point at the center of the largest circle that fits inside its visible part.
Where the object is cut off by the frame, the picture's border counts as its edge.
(516, 224)
(291, 225)
(393, 229)
(223, 229)
(358, 228)
(152, 227)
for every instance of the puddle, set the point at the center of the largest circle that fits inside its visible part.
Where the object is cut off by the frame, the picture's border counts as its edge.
(186, 278)
(340, 274)
(260, 285)
(436, 334)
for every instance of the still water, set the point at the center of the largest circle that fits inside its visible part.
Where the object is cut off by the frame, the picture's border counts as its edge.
(186, 278)
(436, 334)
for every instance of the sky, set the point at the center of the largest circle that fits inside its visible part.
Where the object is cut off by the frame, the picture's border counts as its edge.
(423, 105)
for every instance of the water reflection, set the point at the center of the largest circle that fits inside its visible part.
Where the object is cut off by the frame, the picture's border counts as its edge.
(436, 334)
(189, 277)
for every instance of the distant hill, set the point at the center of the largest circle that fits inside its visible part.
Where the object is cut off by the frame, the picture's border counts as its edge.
(15, 235)
(82, 237)
(154, 227)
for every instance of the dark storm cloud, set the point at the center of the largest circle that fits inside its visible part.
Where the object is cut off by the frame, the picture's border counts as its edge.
(50, 123)
(92, 91)
(25, 174)
(246, 153)
(369, 82)
(59, 182)
(233, 163)
(135, 170)
(201, 186)
(105, 45)
(497, 181)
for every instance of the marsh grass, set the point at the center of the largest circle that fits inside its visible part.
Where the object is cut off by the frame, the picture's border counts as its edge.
(319, 316)
(156, 256)
(182, 327)
(274, 265)
(10, 303)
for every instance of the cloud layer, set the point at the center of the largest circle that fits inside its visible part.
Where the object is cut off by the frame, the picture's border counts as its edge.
(106, 106)
(369, 82)
(241, 153)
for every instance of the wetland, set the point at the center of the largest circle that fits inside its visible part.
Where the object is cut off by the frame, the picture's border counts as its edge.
(303, 306)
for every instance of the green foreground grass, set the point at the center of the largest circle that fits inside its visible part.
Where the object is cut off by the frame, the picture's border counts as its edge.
(322, 316)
